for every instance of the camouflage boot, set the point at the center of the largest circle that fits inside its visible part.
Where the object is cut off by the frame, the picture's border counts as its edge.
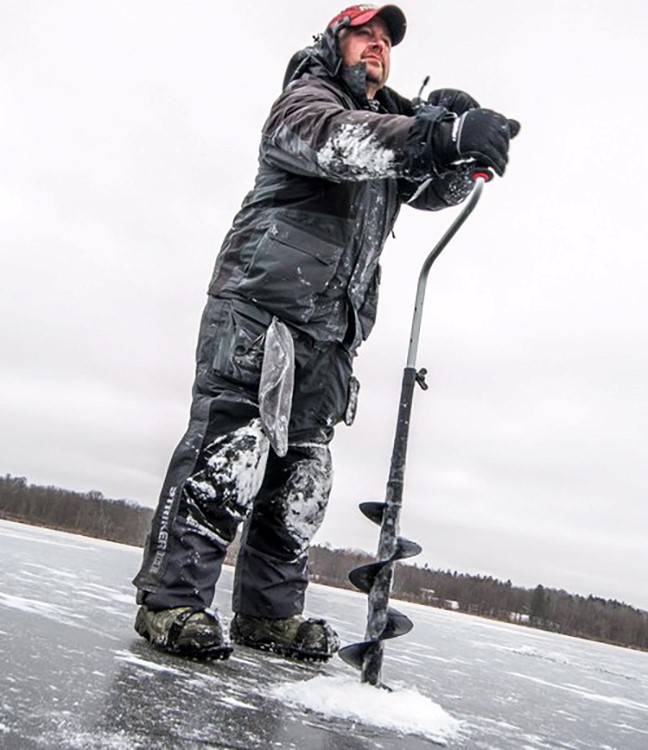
(306, 640)
(184, 631)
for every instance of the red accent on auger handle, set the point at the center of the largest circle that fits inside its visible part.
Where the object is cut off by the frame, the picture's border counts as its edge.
(485, 174)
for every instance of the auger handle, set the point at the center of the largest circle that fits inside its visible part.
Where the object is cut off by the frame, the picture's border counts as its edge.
(480, 177)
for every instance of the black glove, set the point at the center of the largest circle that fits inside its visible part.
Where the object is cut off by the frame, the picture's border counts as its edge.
(453, 100)
(479, 134)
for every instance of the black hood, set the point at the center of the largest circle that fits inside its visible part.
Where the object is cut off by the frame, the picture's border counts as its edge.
(321, 57)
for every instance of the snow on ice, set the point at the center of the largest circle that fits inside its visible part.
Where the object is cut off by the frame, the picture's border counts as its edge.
(401, 710)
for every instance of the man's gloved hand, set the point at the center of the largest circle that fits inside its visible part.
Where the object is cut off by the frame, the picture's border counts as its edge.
(453, 100)
(480, 134)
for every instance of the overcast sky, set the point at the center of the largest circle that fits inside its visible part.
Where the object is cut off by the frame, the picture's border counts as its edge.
(128, 138)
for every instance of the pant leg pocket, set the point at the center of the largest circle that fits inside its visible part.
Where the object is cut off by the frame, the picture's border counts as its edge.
(238, 348)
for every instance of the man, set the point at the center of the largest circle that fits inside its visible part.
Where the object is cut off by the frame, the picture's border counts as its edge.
(293, 295)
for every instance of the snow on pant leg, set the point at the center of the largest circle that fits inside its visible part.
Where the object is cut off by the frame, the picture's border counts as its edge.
(198, 514)
(213, 503)
(271, 571)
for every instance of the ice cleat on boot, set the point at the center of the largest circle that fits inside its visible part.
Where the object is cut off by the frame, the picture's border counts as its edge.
(296, 637)
(184, 631)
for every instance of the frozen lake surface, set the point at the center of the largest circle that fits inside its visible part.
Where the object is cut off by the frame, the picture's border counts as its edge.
(73, 674)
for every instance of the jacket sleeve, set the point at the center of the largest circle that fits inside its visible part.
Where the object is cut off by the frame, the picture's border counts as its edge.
(310, 132)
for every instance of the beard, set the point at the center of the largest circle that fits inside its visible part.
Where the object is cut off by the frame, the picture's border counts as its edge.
(375, 74)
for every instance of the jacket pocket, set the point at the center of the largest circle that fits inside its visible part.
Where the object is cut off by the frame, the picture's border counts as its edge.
(289, 270)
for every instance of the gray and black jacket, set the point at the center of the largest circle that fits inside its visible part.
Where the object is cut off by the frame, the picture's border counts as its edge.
(333, 174)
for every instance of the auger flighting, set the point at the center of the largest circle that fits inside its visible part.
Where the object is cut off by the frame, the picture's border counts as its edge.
(375, 579)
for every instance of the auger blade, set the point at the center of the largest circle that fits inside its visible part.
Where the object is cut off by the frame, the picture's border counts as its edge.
(374, 511)
(363, 577)
(397, 624)
(354, 653)
(406, 548)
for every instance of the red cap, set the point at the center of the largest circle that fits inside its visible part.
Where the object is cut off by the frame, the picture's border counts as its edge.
(393, 17)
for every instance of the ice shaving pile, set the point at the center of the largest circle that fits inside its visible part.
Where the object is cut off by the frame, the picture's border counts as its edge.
(401, 710)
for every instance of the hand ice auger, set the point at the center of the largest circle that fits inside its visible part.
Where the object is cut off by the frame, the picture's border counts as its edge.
(375, 579)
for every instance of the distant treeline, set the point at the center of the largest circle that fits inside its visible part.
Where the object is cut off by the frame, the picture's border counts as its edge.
(87, 513)
(90, 514)
(549, 609)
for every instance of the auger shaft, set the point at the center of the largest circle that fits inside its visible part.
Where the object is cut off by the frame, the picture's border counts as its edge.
(389, 530)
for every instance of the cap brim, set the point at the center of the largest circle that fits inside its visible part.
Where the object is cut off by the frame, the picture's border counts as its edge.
(393, 17)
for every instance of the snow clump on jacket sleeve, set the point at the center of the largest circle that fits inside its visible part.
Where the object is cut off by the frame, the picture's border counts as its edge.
(354, 150)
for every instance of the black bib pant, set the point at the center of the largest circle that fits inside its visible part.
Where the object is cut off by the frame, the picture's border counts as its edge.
(225, 472)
